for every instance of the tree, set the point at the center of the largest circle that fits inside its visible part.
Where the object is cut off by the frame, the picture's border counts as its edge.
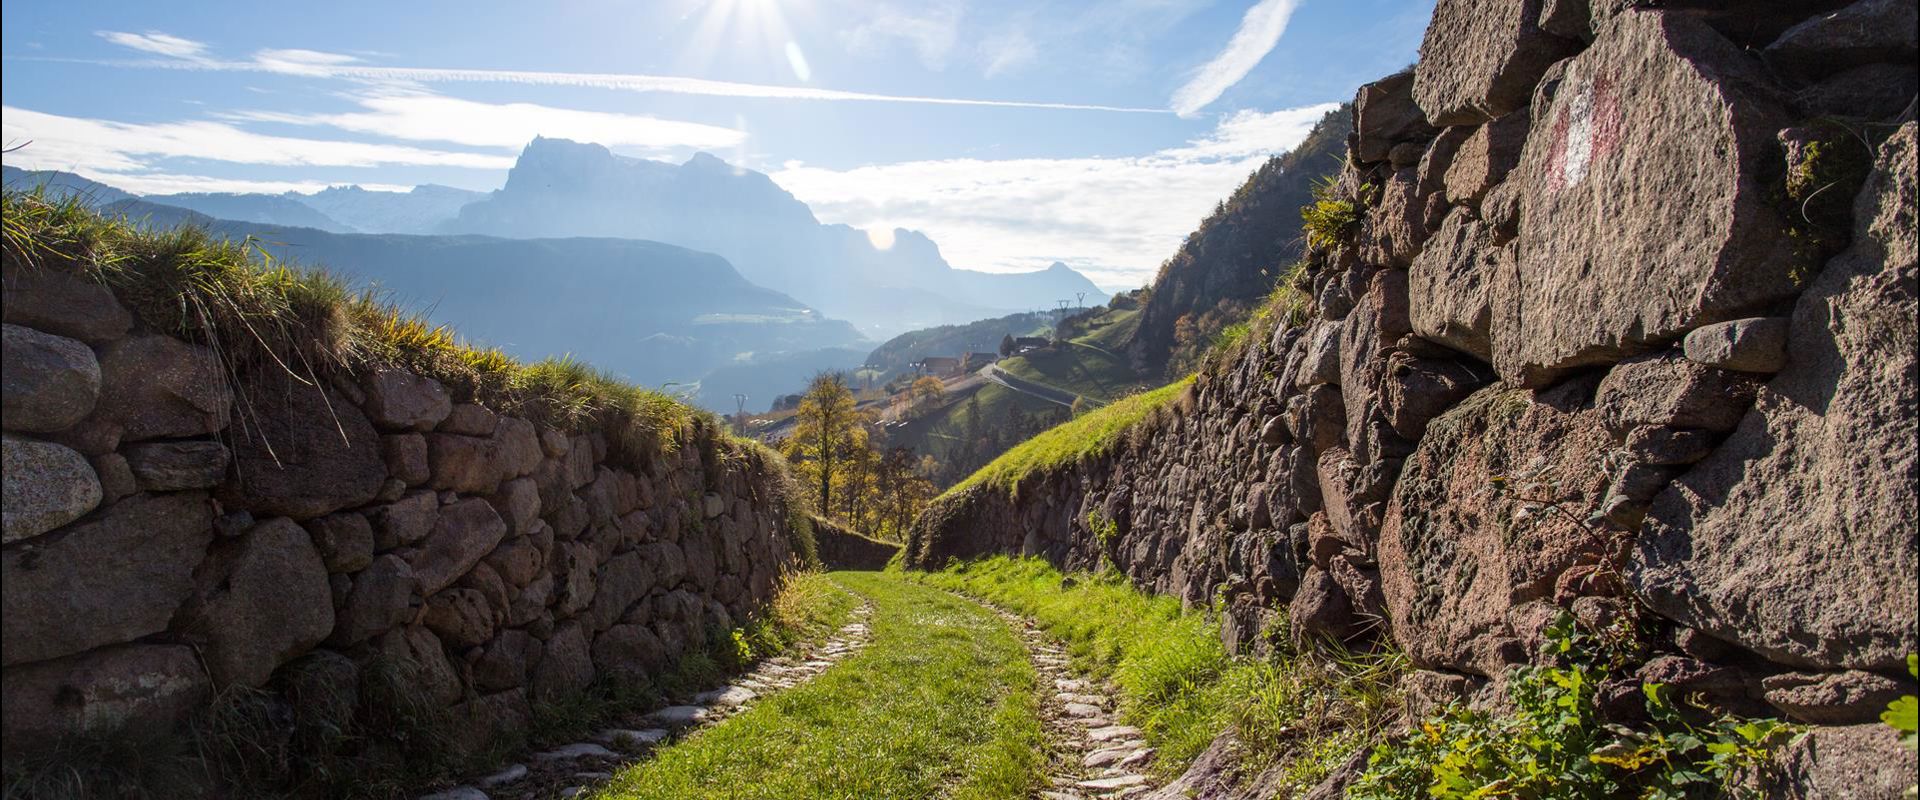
(826, 431)
(926, 392)
(1006, 345)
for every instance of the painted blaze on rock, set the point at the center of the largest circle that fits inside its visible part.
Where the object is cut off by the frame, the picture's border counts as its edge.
(1625, 248)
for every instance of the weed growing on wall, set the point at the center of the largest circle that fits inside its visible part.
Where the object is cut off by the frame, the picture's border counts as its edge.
(1554, 745)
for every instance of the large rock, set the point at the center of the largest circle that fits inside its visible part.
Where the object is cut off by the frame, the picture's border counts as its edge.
(1865, 32)
(1624, 245)
(464, 533)
(490, 720)
(1449, 282)
(404, 521)
(460, 617)
(305, 452)
(62, 303)
(1486, 157)
(624, 579)
(422, 661)
(172, 466)
(50, 382)
(155, 386)
(1795, 539)
(263, 601)
(1480, 59)
(44, 486)
(110, 579)
(345, 541)
(1487, 515)
(1385, 115)
(399, 400)
(145, 687)
(465, 464)
(1755, 344)
(1671, 390)
(1853, 762)
(383, 595)
(567, 666)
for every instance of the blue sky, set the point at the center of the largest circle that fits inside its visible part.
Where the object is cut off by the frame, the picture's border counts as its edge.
(1013, 133)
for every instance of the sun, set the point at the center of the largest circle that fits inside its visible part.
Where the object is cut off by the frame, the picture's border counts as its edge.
(736, 28)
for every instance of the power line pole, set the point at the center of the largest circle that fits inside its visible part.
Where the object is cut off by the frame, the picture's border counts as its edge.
(740, 413)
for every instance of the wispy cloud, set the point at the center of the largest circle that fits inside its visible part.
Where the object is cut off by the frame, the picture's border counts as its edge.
(158, 43)
(329, 65)
(1115, 218)
(424, 117)
(1259, 31)
(106, 146)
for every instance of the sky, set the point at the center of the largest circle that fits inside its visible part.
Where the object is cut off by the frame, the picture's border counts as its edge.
(1014, 134)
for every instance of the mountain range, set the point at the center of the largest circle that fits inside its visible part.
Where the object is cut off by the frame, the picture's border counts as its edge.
(564, 188)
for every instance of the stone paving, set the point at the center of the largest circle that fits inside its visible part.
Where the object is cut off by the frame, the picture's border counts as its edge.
(572, 770)
(1095, 756)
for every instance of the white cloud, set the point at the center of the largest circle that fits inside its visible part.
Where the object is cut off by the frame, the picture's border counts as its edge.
(1119, 216)
(424, 117)
(1248, 132)
(1259, 31)
(158, 43)
(105, 146)
(301, 62)
(341, 68)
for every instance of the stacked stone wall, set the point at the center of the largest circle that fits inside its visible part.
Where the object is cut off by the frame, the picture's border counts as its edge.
(1627, 331)
(174, 528)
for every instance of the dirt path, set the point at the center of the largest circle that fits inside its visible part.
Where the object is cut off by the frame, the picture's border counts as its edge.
(570, 770)
(1094, 755)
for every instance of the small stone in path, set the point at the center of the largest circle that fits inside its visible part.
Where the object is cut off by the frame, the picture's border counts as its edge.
(457, 793)
(1115, 782)
(512, 773)
(572, 791)
(620, 737)
(576, 750)
(678, 715)
(1111, 755)
(726, 696)
(1089, 699)
(1136, 757)
(1082, 710)
(1111, 733)
(1059, 796)
(1069, 684)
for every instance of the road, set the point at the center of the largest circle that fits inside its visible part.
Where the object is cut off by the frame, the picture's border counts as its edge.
(994, 373)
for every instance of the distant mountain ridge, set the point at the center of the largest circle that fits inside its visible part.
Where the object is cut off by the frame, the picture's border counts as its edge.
(337, 209)
(565, 188)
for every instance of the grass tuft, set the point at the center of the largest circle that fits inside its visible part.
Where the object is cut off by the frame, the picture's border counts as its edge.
(258, 312)
(1091, 434)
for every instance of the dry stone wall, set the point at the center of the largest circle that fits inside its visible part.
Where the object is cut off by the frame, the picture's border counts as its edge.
(1627, 330)
(173, 529)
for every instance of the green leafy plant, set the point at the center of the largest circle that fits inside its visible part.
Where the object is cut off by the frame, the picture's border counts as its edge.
(1554, 745)
(1334, 216)
(1903, 715)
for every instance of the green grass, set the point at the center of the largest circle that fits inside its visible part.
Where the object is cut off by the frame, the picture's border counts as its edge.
(258, 312)
(1089, 434)
(1078, 368)
(941, 703)
(1115, 332)
(1307, 709)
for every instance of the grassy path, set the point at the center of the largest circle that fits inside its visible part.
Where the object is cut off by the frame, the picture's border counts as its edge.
(941, 703)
